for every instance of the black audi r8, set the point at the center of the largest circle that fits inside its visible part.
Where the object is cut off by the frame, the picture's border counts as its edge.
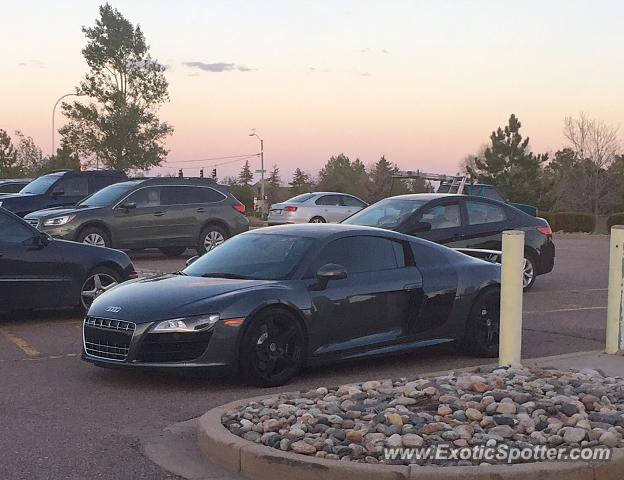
(269, 301)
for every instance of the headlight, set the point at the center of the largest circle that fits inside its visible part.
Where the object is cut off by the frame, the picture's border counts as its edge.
(56, 221)
(0, 204)
(185, 325)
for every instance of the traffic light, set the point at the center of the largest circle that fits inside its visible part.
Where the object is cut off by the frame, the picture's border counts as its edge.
(201, 173)
(180, 174)
(214, 173)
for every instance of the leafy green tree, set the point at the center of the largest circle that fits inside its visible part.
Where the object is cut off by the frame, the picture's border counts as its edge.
(119, 127)
(245, 177)
(28, 155)
(509, 164)
(65, 159)
(9, 166)
(340, 174)
(301, 182)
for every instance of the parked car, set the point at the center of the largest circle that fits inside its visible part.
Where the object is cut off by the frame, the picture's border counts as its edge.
(464, 221)
(168, 213)
(488, 191)
(271, 300)
(37, 271)
(9, 186)
(57, 189)
(317, 207)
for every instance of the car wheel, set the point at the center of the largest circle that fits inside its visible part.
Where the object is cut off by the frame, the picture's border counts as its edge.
(173, 251)
(483, 326)
(529, 272)
(211, 237)
(99, 280)
(94, 236)
(317, 220)
(272, 349)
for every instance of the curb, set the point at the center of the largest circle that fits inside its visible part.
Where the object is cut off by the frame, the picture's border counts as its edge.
(259, 462)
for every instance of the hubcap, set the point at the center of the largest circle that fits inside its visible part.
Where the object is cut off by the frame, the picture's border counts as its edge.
(317, 220)
(95, 286)
(213, 239)
(490, 323)
(94, 239)
(527, 273)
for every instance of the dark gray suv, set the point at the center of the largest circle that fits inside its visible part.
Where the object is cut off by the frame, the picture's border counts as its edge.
(171, 214)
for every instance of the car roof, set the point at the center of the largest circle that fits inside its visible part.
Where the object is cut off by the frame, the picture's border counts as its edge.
(325, 230)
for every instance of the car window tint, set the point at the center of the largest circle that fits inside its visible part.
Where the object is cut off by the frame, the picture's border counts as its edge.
(207, 195)
(146, 197)
(492, 193)
(12, 231)
(186, 194)
(300, 198)
(10, 187)
(73, 187)
(481, 212)
(329, 200)
(351, 201)
(443, 216)
(358, 254)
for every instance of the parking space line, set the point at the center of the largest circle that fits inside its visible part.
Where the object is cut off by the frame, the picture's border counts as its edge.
(20, 343)
(560, 310)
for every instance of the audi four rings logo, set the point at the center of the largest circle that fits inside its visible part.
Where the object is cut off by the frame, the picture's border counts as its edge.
(113, 309)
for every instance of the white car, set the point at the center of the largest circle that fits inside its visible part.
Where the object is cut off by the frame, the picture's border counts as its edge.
(317, 207)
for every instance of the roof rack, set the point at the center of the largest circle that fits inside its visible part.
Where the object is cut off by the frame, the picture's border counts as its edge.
(455, 183)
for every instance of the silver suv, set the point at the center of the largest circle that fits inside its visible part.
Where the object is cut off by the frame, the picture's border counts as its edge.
(317, 207)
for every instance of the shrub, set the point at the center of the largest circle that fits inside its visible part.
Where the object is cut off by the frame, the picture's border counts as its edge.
(570, 221)
(615, 219)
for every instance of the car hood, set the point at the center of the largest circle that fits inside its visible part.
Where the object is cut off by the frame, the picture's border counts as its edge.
(168, 296)
(58, 212)
(17, 197)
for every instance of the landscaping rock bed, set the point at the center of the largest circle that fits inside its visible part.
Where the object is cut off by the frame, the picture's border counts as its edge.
(514, 406)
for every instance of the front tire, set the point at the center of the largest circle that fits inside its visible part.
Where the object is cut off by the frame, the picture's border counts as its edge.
(317, 220)
(94, 236)
(210, 238)
(98, 281)
(272, 349)
(483, 325)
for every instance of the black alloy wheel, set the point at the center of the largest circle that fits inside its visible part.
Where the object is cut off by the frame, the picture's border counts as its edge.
(272, 348)
(483, 327)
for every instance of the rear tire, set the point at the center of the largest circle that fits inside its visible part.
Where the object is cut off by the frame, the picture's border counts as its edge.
(98, 281)
(529, 272)
(211, 237)
(173, 251)
(272, 349)
(317, 220)
(483, 325)
(94, 236)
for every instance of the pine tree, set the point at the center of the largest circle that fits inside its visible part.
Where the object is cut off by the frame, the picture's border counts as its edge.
(273, 182)
(301, 182)
(245, 177)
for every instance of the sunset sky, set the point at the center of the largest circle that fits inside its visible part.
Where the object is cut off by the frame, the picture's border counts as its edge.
(423, 82)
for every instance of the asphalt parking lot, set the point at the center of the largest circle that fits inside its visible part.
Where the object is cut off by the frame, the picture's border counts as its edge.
(64, 419)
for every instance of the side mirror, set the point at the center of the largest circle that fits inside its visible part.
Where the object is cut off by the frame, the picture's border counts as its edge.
(191, 260)
(58, 192)
(129, 206)
(331, 271)
(419, 227)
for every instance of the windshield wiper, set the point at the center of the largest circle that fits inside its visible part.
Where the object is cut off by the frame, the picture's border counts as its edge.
(234, 276)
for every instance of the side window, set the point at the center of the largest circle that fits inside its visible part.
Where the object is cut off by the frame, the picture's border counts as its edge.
(443, 216)
(186, 194)
(12, 231)
(351, 201)
(492, 193)
(481, 212)
(72, 187)
(146, 197)
(207, 195)
(11, 187)
(329, 200)
(359, 254)
(99, 182)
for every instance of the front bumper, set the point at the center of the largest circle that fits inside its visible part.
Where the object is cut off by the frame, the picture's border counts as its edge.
(108, 345)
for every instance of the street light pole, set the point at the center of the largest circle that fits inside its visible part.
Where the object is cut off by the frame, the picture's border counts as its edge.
(254, 134)
(54, 113)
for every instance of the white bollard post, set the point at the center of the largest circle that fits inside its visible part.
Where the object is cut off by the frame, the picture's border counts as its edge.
(510, 338)
(615, 322)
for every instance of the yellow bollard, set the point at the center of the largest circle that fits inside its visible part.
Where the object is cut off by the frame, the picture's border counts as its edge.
(615, 324)
(510, 339)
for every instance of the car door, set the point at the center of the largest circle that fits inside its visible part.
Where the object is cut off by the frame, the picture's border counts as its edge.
(69, 191)
(140, 220)
(445, 219)
(371, 306)
(351, 205)
(183, 204)
(485, 223)
(31, 268)
(330, 207)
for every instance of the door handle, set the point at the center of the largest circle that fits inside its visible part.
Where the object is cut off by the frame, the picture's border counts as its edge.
(159, 214)
(201, 210)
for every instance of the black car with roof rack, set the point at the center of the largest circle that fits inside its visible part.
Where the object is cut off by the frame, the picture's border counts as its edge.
(58, 189)
(169, 213)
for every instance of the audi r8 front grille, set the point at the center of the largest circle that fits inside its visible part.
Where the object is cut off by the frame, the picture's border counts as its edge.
(173, 347)
(107, 338)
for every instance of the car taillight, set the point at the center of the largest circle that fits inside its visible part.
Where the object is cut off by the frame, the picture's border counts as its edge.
(290, 208)
(546, 231)
(240, 208)
(132, 275)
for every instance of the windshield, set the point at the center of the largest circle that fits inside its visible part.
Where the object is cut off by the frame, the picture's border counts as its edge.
(299, 198)
(252, 256)
(107, 195)
(41, 184)
(388, 213)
